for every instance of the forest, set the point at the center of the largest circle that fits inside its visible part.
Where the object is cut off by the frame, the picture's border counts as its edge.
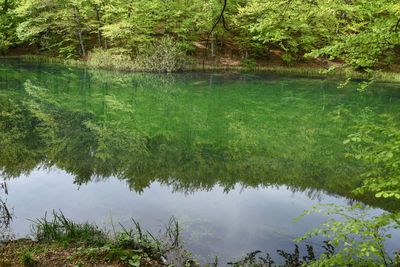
(358, 34)
(229, 126)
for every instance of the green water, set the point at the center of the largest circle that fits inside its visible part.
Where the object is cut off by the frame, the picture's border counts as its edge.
(189, 132)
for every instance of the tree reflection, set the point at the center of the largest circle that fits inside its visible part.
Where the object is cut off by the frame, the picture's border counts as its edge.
(5, 214)
(181, 131)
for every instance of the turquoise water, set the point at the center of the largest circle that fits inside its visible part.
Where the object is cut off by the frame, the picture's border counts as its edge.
(234, 157)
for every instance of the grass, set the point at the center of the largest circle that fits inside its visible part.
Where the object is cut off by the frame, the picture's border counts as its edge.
(307, 72)
(28, 260)
(62, 229)
(53, 60)
(378, 76)
(61, 241)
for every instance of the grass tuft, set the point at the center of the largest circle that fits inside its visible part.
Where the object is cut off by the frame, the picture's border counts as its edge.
(59, 228)
(28, 259)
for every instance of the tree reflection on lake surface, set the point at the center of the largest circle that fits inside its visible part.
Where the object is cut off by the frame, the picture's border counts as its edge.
(191, 132)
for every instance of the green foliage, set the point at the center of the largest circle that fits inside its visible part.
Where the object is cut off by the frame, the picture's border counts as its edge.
(360, 236)
(357, 237)
(131, 257)
(8, 23)
(111, 59)
(164, 55)
(28, 259)
(287, 58)
(379, 146)
(365, 35)
(62, 229)
(248, 63)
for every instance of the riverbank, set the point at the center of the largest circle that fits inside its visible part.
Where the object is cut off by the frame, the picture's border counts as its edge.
(59, 241)
(25, 252)
(298, 71)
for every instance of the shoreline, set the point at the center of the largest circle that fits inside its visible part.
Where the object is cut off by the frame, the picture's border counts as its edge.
(379, 76)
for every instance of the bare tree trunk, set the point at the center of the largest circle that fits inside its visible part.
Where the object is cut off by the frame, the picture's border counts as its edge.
(246, 53)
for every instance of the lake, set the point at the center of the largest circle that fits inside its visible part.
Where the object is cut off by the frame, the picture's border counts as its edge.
(233, 157)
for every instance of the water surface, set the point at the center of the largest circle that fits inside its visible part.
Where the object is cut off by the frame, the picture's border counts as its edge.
(235, 157)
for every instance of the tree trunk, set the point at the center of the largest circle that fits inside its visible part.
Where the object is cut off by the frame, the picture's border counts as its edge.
(79, 32)
(212, 48)
(81, 43)
(98, 29)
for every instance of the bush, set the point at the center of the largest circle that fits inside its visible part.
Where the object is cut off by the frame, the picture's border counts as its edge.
(111, 59)
(248, 63)
(164, 55)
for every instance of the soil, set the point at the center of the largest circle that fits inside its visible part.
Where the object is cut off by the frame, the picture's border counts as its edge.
(25, 252)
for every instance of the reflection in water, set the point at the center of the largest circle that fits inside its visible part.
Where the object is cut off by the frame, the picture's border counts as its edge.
(5, 214)
(192, 133)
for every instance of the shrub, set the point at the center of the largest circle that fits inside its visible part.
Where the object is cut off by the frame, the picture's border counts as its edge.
(111, 59)
(248, 63)
(164, 55)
